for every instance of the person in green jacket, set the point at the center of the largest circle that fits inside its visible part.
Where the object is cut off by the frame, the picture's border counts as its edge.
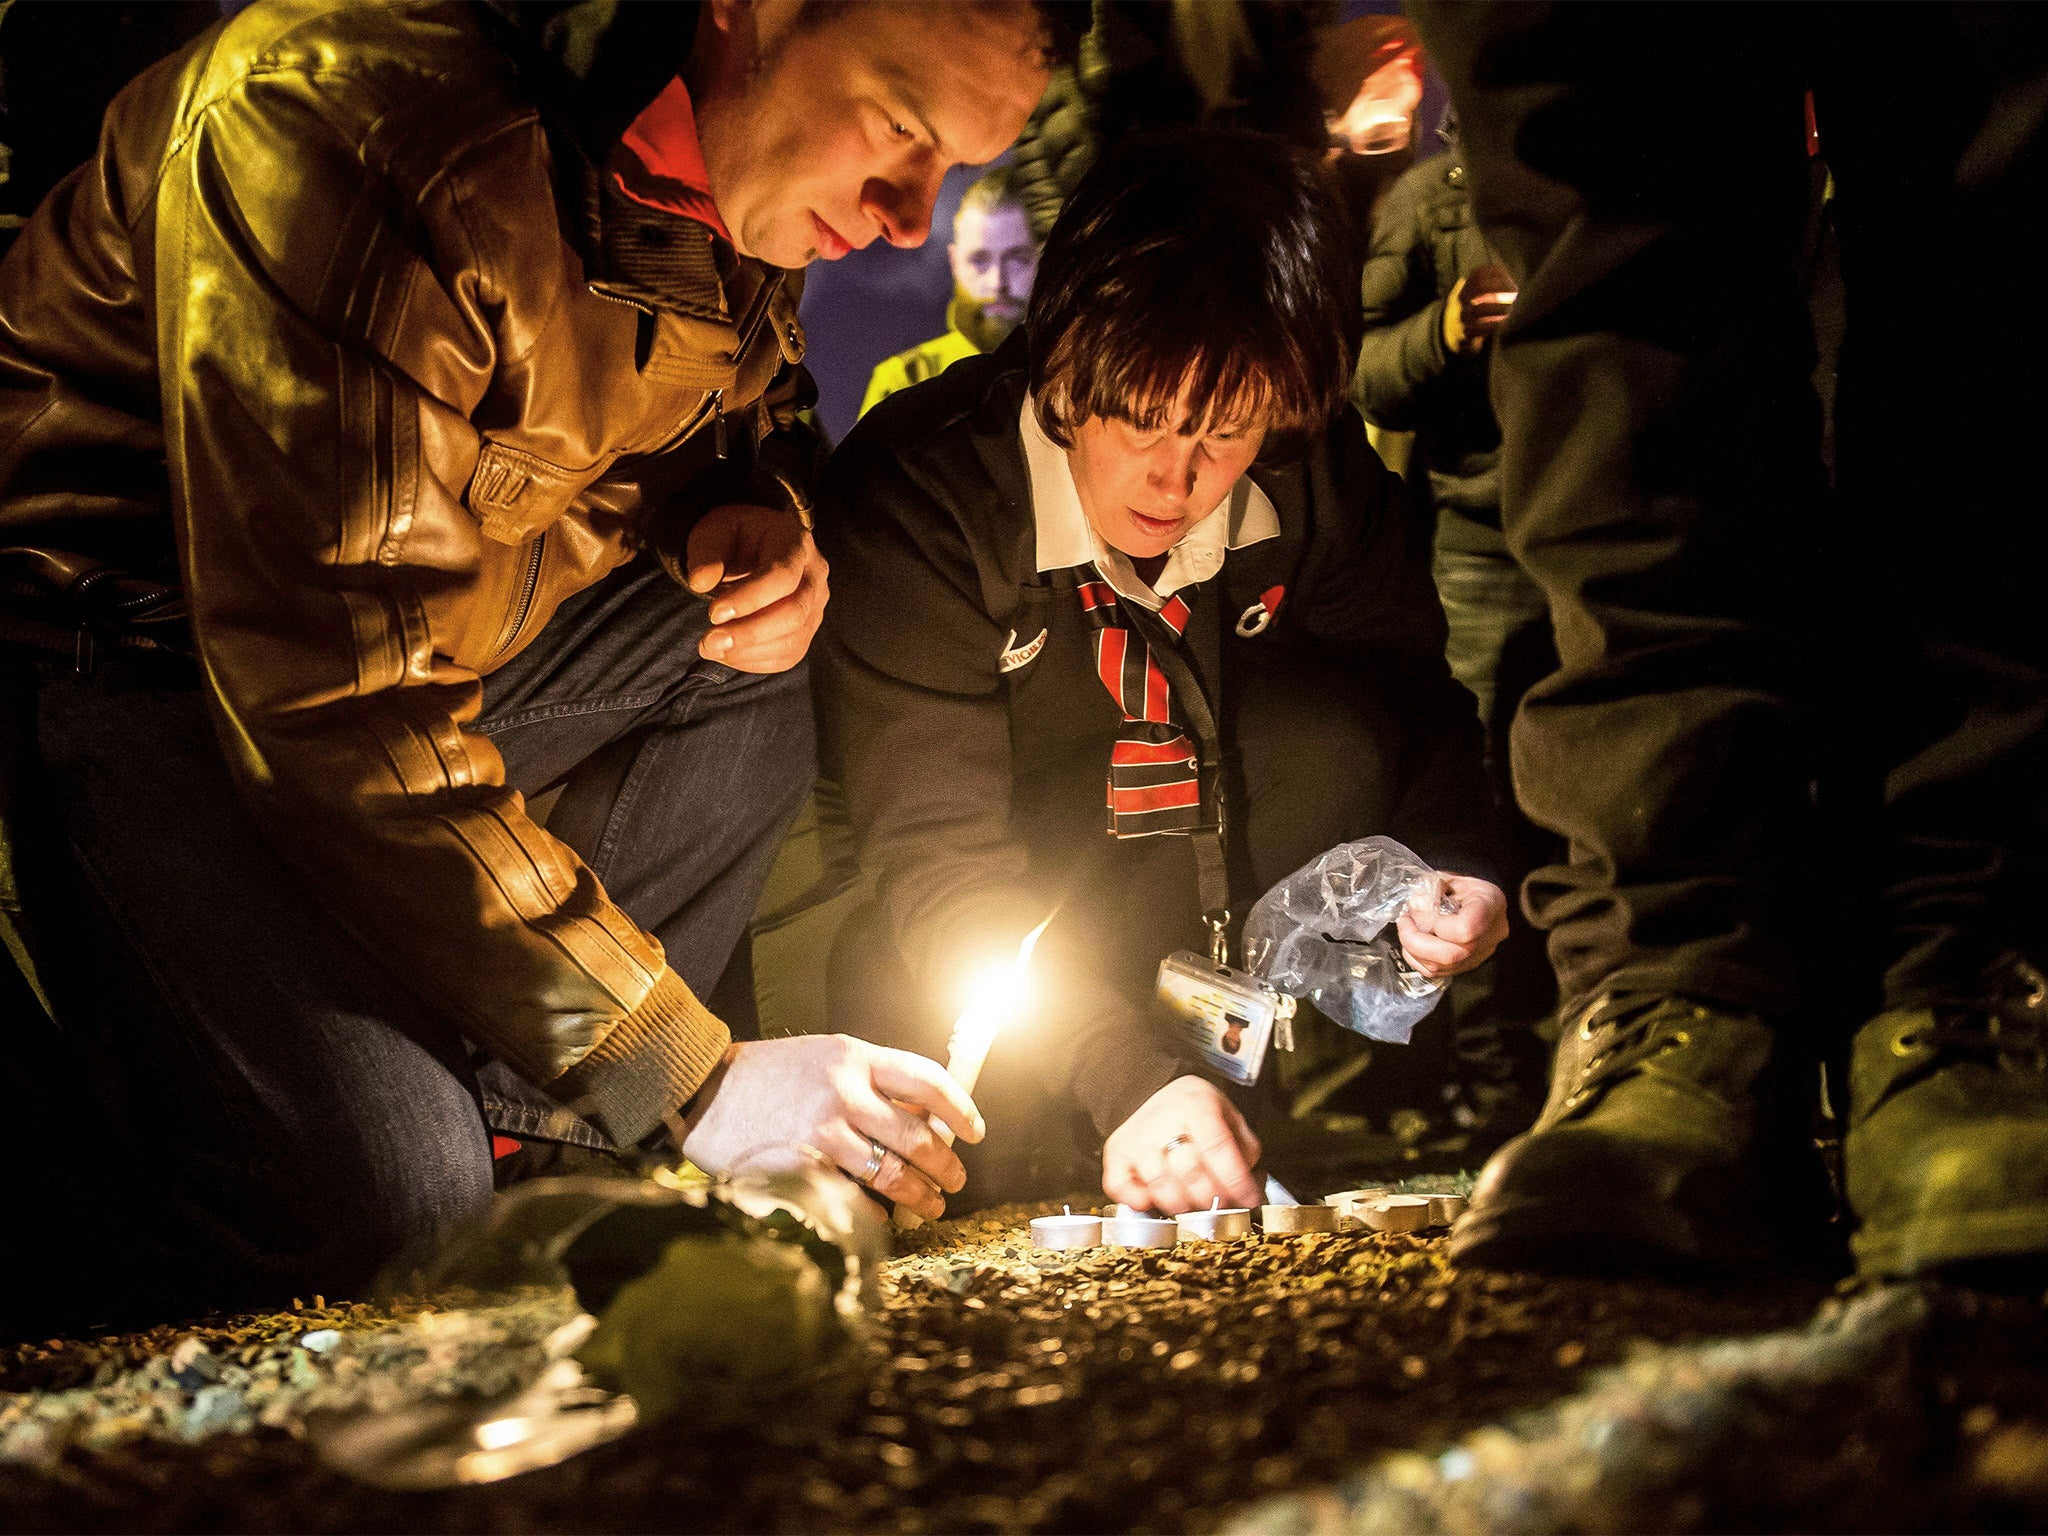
(994, 259)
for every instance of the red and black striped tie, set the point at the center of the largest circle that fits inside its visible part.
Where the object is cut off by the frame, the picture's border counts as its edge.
(1154, 774)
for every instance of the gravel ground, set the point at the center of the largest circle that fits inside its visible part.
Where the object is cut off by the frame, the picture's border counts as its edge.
(1322, 1383)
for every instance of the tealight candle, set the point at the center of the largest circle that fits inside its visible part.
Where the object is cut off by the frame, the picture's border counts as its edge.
(1286, 1219)
(1345, 1197)
(1350, 1206)
(1278, 1193)
(1068, 1231)
(1140, 1232)
(1445, 1209)
(1216, 1223)
(1396, 1213)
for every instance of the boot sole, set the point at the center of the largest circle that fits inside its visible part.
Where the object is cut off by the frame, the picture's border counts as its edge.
(1585, 1237)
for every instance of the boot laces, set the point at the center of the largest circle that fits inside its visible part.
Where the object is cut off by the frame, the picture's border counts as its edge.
(2012, 1035)
(1633, 1039)
(2016, 1044)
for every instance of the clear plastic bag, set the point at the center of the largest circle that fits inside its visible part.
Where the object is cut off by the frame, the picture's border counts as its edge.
(1325, 934)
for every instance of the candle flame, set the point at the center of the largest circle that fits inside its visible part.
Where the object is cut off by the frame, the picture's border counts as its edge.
(1000, 993)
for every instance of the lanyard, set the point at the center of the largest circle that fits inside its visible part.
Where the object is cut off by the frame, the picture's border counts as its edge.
(1212, 869)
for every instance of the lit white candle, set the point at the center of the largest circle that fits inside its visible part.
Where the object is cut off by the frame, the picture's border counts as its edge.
(994, 998)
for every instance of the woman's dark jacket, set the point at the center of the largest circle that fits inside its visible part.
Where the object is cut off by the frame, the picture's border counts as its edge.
(977, 795)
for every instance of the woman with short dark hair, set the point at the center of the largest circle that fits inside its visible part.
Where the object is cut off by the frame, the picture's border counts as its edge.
(1139, 574)
(1220, 269)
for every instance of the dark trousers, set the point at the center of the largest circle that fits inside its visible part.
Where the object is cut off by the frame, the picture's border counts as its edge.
(1794, 737)
(1498, 641)
(1498, 646)
(279, 1113)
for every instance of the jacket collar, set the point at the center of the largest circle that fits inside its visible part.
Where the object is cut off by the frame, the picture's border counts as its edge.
(659, 162)
(1064, 537)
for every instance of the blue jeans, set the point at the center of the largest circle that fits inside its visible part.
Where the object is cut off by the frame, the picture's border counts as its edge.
(283, 1115)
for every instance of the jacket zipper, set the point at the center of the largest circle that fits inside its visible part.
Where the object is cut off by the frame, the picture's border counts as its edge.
(692, 420)
(749, 329)
(756, 317)
(526, 596)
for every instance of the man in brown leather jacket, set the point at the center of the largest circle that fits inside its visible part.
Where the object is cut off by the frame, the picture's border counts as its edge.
(391, 360)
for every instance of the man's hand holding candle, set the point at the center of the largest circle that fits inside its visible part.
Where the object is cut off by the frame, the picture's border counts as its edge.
(1184, 1148)
(1454, 923)
(866, 1107)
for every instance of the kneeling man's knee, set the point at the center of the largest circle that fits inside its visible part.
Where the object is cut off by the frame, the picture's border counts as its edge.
(345, 1208)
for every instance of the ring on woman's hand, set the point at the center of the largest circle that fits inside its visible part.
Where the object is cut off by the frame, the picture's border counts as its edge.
(1178, 1141)
(876, 1152)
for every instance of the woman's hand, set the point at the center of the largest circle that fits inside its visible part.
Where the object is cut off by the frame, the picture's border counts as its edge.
(1453, 923)
(847, 1099)
(1184, 1148)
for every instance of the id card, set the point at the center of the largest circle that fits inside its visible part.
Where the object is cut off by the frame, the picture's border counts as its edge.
(1221, 1014)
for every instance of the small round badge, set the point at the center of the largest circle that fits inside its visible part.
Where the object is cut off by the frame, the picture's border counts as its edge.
(1253, 620)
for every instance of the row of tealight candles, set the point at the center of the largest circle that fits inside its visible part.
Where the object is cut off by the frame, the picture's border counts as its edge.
(1350, 1210)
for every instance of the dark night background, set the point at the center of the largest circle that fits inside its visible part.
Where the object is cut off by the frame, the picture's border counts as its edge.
(876, 302)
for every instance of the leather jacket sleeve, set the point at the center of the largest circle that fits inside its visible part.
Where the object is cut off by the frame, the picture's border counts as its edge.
(328, 325)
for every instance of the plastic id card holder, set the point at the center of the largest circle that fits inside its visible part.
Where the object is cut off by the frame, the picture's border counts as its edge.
(1221, 1014)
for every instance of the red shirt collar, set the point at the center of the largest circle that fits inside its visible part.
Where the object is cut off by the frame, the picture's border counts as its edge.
(660, 160)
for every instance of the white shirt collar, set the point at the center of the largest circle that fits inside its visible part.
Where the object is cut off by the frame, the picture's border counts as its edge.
(1065, 538)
